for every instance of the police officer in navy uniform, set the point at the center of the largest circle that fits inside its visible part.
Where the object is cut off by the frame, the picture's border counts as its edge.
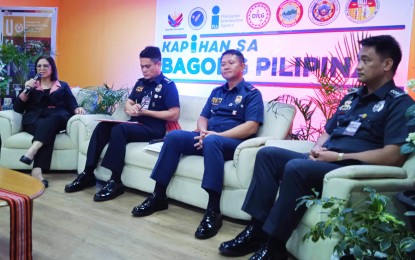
(368, 128)
(153, 101)
(232, 113)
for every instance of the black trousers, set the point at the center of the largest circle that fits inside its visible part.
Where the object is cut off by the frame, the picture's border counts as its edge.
(294, 175)
(117, 136)
(45, 130)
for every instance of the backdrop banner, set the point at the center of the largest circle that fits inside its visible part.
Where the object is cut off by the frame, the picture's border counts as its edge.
(193, 34)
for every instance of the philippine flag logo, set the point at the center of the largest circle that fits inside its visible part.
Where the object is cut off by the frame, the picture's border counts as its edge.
(175, 19)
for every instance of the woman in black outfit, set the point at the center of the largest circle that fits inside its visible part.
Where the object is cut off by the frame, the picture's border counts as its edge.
(46, 104)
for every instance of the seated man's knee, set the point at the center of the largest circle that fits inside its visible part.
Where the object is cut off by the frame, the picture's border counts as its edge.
(173, 136)
(211, 140)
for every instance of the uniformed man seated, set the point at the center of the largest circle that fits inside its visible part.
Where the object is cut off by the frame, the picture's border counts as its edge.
(232, 113)
(153, 101)
(368, 127)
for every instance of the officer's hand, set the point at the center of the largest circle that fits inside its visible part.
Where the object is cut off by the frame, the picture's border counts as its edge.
(199, 144)
(326, 156)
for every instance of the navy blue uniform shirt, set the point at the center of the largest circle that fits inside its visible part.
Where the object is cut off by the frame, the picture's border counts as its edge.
(226, 108)
(162, 94)
(382, 118)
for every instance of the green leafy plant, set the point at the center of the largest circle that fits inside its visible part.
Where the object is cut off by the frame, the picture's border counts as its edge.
(101, 99)
(335, 77)
(365, 230)
(21, 57)
(409, 146)
(4, 80)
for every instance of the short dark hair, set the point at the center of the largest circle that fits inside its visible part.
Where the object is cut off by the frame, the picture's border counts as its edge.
(387, 47)
(234, 52)
(54, 75)
(151, 52)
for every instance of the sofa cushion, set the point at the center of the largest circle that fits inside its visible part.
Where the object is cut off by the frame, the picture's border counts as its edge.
(23, 140)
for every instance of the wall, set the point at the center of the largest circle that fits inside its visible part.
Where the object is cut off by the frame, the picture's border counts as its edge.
(99, 40)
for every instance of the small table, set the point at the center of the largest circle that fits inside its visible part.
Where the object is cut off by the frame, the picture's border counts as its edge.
(21, 183)
(12, 182)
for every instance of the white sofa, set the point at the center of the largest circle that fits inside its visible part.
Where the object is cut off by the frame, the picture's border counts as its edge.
(70, 154)
(346, 183)
(185, 185)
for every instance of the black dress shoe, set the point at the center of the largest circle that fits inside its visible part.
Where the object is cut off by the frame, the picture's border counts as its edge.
(150, 205)
(265, 253)
(45, 183)
(248, 241)
(26, 160)
(110, 191)
(210, 225)
(81, 182)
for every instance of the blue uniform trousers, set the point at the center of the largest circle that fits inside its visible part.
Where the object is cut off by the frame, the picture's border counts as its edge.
(216, 150)
(117, 136)
(295, 176)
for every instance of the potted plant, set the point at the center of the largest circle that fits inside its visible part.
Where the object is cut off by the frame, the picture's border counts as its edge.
(365, 230)
(4, 80)
(21, 55)
(101, 99)
(333, 86)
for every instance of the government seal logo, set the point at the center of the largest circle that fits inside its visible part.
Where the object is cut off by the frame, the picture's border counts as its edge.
(175, 19)
(323, 12)
(359, 11)
(289, 13)
(197, 18)
(258, 15)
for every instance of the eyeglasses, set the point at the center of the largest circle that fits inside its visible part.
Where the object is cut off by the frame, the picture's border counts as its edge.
(46, 66)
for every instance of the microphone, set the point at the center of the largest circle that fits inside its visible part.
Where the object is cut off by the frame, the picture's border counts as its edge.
(36, 78)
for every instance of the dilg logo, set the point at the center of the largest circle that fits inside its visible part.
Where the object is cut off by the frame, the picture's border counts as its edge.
(197, 18)
(175, 19)
(258, 15)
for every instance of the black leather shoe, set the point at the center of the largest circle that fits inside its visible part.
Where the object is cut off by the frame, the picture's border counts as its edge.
(26, 160)
(266, 254)
(110, 191)
(45, 183)
(248, 241)
(81, 182)
(150, 205)
(210, 225)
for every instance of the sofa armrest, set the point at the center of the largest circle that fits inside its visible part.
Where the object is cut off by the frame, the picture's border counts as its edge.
(342, 182)
(10, 123)
(249, 143)
(367, 172)
(87, 124)
(299, 146)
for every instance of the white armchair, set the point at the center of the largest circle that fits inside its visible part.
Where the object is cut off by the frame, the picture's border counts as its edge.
(15, 142)
(346, 183)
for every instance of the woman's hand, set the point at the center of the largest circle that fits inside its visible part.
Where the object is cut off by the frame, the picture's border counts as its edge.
(80, 111)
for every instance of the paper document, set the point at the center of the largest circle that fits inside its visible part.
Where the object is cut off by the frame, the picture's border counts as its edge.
(156, 147)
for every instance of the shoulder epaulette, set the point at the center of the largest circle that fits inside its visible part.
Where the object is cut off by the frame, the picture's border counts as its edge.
(249, 86)
(397, 92)
(167, 80)
(352, 91)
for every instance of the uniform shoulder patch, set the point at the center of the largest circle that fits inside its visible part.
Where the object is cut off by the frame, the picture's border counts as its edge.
(249, 86)
(167, 80)
(397, 92)
(352, 91)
